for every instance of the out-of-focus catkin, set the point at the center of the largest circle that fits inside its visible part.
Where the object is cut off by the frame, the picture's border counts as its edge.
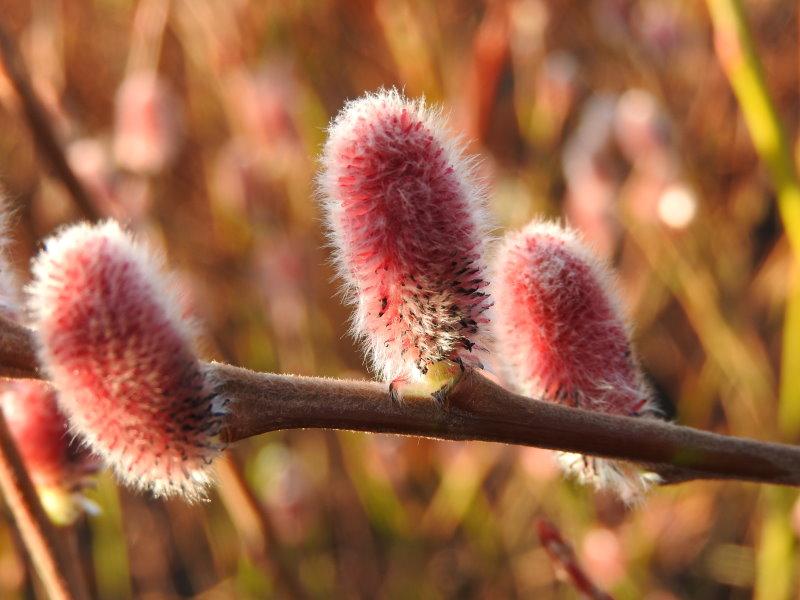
(408, 224)
(562, 337)
(115, 345)
(148, 123)
(58, 466)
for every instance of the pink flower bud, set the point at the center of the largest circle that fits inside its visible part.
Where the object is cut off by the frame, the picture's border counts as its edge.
(407, 220)
(593, 174)
(147, 124)
(58, 467)
(564, 339)
(114, 344)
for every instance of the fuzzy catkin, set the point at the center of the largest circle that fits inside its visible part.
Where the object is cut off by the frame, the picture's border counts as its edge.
(407, 221)
(113, 342)
(562, 337)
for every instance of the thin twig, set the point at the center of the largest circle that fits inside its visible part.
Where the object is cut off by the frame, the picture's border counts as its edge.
(38, 533)
(475, 409)
(566, 563)
(255, 526)
(42, 130)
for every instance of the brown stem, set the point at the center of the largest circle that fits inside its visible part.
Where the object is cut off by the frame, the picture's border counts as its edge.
(43, 134)
(38, 533)
(17, 351)
(476, 409)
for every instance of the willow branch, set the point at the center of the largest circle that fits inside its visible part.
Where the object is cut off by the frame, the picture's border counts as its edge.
(475, 409)
(41, 128)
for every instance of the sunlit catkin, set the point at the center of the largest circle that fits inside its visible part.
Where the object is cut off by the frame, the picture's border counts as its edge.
(407, 221)
(113, 342)
(562, 337)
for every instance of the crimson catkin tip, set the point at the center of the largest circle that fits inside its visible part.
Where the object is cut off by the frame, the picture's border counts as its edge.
(407, 220)
(113, 341)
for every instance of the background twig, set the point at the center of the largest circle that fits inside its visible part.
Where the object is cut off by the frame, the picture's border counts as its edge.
(255, 526)
(564, 561)
(38, 533)
(42, 130)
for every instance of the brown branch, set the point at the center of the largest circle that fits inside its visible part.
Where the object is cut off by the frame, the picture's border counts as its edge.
(475, 409)
(49, 556)
(17, 351)
(41, 128)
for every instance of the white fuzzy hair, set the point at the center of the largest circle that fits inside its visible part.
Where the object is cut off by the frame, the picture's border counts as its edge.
(624, 479)
(149, 262)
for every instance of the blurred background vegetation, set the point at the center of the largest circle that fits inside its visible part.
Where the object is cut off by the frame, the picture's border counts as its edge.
(198, 123)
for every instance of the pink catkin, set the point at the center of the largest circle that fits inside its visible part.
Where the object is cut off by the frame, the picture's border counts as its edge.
(147, 124)
(562, 337)
(57, 464)
(39, 429)
(408, 223)
(117, 350)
